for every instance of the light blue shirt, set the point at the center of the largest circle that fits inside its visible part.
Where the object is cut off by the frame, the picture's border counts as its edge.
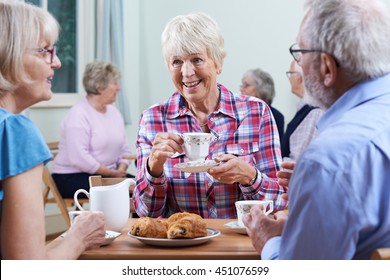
(339, 195)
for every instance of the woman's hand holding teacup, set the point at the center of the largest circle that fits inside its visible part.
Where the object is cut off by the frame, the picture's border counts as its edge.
(232, 170)
(165, 145)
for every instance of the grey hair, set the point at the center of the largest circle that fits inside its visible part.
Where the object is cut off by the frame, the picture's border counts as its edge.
(97, 76)
(22, 26)
(355, 32)
(193, 33)
(264, 84)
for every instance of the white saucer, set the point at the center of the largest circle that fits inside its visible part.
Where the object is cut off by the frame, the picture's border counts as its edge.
(236, 227)
(196, 166)
(110, 236)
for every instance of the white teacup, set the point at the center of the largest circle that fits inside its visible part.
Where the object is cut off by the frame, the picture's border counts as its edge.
(196, 145)
(74, 214)
(113, 201)
(244, 207)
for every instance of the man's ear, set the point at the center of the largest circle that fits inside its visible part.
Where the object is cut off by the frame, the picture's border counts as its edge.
(328, 69)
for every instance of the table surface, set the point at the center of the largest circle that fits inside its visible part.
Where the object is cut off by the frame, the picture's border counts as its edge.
(228, 245)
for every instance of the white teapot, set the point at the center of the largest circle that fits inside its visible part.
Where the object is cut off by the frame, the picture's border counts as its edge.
(113, 201)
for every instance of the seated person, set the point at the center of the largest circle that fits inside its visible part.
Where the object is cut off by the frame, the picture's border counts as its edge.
(243, 128)
(28, 60)
(260, 84)
(301, 130)
(93, 140)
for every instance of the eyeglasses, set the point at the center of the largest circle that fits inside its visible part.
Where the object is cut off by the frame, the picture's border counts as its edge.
(45, 51)
(245, 85)
(289, 73)
(297, 53)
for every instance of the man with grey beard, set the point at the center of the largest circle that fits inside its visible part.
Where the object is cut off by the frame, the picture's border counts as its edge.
(339, 194)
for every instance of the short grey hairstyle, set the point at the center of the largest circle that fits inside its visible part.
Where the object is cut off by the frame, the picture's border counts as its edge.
(264, 84)
(22, 26)
(98, 75)
(355, 32)
(193, 33)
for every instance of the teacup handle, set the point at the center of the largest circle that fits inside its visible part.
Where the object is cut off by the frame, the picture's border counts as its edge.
(271, 208)
(75, 198)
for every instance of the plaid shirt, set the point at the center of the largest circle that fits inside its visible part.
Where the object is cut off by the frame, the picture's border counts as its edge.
(243, 126)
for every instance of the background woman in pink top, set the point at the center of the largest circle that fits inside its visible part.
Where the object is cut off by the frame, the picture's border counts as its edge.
(93, 137)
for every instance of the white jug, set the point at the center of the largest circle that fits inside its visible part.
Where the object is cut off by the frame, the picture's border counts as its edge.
(113, 201)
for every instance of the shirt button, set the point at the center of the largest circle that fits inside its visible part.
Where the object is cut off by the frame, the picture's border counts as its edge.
(242, 151)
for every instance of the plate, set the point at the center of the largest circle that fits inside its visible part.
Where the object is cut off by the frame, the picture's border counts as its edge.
(110, 236)
(165, 242)
(196, 166)
(236, 227)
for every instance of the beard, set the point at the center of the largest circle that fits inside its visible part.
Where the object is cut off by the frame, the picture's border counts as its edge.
(316, 94)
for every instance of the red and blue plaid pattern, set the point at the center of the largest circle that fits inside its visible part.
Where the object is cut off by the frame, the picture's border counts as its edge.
(242, 126)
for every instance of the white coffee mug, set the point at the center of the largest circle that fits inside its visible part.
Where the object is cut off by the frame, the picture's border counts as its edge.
(196, 145)
(244, 207)
(113, 201)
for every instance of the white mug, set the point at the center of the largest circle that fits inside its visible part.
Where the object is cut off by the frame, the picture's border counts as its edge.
(113, 201)
(244, 207)
(196, 145)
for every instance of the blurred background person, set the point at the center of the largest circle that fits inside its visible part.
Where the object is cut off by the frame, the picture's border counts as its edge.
(243, 128)
(301, 129)
(93, 139)
(260, 84)
(28, 60)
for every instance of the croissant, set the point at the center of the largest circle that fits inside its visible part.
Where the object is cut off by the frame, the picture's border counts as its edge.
(148, 227)
(188, 226)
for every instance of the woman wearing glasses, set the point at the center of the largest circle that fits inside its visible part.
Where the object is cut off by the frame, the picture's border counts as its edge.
(28, 60)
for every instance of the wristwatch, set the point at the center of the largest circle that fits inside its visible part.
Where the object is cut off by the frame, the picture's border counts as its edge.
(251, 182)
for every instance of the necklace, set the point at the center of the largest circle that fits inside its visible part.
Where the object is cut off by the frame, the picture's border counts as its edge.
(203, 124)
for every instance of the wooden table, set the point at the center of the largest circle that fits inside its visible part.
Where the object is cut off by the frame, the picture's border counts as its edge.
(229, 245)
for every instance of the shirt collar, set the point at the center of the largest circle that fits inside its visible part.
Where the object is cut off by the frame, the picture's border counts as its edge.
(177, 106)
(353, 97)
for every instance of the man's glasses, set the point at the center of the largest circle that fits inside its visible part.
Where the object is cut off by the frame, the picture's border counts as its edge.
(44, 52)
(297, 53)
(289, 73)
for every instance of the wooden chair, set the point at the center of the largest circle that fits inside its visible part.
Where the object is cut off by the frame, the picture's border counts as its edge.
(50, 187)
(95, 181)
(381, 254)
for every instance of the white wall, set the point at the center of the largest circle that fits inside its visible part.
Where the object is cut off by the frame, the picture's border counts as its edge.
(257, 33)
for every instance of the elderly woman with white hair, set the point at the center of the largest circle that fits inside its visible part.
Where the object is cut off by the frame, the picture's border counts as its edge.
(260, 84)
(93, 139)
(243, 128)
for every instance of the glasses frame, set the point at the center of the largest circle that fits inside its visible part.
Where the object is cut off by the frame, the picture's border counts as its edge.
(289, 73)
(294, 53)
(44, 51)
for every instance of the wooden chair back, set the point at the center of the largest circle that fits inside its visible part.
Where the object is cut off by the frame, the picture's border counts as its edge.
(381, 254)
(95, 181)
(50, 187)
